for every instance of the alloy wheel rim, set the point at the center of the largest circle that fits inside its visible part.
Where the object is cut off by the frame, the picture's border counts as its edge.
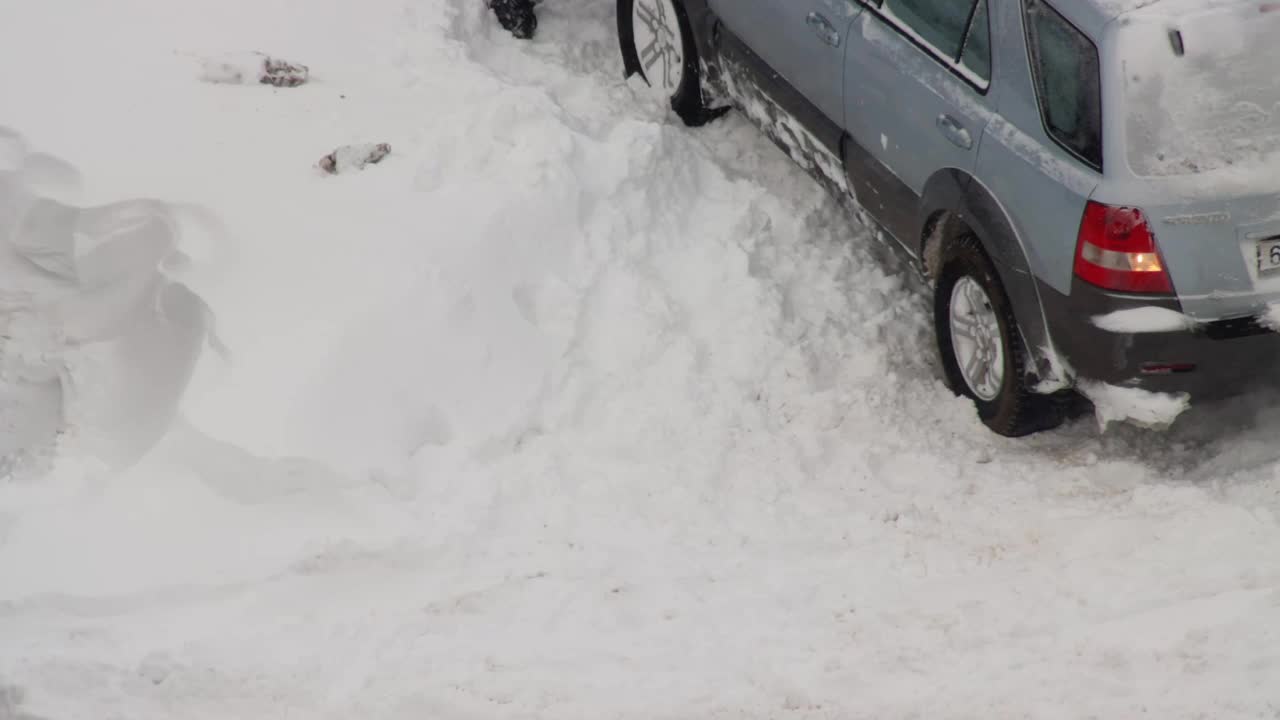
(976, 339)
(658, 45)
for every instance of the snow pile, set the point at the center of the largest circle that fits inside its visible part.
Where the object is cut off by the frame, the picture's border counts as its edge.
(566, 412)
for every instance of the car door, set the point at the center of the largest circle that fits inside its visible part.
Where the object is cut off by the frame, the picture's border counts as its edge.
(916, 99)
(803, 41)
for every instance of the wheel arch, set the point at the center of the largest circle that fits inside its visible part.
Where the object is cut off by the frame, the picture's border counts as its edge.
(954, 204)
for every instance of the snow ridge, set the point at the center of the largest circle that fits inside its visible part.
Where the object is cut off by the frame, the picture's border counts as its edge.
(98, 335)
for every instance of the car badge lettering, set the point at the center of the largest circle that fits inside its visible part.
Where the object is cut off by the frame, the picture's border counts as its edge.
(1212, 218)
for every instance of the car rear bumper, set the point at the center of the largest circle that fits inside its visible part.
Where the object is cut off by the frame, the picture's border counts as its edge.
(1209, 361)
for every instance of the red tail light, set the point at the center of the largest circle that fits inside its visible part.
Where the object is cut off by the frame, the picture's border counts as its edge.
(1116, 250)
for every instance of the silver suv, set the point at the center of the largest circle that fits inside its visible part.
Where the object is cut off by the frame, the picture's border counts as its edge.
(1084, 181)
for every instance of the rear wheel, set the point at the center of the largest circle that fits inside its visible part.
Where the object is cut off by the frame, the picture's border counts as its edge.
(982, 351)
(658, 44)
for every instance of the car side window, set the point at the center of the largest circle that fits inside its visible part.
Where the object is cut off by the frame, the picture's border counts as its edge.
(1068, 86)
(939, 23)
(976, 55)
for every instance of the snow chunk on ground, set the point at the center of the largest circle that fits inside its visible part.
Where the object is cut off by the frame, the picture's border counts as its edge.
(1149, 319)
(1113, 403)
(1271, 318)
(354, 157)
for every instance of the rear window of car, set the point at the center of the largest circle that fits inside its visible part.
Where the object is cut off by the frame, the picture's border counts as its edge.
(1064, 63)
(1201, 91)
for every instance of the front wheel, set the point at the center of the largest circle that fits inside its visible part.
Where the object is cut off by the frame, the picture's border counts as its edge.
(983, 356)
(657, 44)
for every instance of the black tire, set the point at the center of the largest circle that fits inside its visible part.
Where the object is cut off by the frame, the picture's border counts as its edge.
(1015, 410)
(688, 102)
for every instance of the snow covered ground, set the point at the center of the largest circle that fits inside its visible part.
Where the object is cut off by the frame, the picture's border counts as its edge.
(561, 411)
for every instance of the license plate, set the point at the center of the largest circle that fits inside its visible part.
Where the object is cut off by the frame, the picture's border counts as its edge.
(1269, 255)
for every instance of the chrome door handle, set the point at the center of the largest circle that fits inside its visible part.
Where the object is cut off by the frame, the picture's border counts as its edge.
(955, 132)
(823, 28)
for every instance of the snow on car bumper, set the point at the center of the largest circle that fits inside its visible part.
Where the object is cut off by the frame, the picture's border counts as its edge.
(1144, 342)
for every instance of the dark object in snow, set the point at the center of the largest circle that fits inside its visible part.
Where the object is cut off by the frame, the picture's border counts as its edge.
(353, 157)
(281, 73)
(516, 16)
(254, 67)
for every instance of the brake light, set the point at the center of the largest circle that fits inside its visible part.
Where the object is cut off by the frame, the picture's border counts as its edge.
(1116, 250)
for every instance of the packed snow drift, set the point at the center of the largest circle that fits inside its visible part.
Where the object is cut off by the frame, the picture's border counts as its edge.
(562, 410)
